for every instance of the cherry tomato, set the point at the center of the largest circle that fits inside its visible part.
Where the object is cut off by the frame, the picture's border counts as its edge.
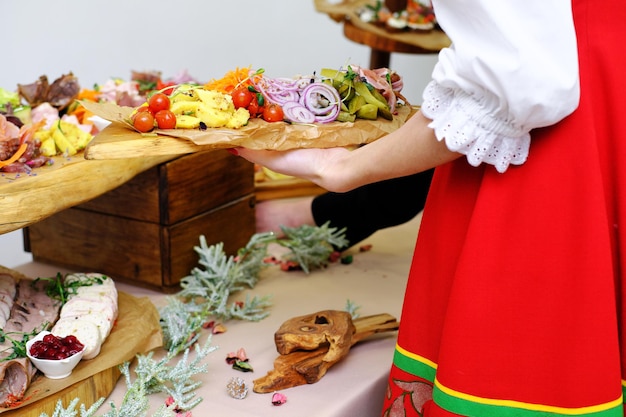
(158, 102)
(241, 97)
(143, 121)
(165, 119)
(273, 113)
(255, 108)
(162, 86)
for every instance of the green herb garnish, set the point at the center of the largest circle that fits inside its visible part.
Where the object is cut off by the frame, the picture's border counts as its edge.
(18, 341)
(58, 288)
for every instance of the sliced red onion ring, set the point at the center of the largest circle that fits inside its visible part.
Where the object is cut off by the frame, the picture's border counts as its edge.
(297, 113)
(321, 99)
(302, 100)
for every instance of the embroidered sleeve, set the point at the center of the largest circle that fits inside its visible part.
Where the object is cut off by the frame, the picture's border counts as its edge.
(468, 128)
(512, 67)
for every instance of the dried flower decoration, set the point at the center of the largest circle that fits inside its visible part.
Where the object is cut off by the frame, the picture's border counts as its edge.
(278, 399)
(218, 328)
(239, 361)
(365, 248)
(233, 357)
(242, 366)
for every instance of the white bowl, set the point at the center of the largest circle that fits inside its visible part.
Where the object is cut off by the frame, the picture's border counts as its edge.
(53, 369)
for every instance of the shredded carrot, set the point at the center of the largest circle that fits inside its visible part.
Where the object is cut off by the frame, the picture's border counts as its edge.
(87, 94)
(20, 151)
(232, 79)
(82, 114)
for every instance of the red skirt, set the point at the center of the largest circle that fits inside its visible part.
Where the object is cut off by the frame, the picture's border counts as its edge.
(514, 301)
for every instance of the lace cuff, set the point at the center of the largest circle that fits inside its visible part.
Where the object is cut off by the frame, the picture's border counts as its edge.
(461, 121)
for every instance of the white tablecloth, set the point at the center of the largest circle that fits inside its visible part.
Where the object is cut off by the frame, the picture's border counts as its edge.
(375, 281)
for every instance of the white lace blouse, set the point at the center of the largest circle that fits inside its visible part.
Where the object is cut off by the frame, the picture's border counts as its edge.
(512, 67)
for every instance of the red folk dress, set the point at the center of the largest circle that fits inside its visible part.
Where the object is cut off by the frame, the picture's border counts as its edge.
(514, 301)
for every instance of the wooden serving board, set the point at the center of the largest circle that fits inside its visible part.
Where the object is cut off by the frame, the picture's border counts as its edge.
(27, 198)
(89, 391)
(285, 188)
(136, 330)
(119, 141)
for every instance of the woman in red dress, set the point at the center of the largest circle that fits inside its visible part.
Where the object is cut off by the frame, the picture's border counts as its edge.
(514, 301)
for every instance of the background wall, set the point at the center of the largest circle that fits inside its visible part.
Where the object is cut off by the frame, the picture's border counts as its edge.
(100, 39)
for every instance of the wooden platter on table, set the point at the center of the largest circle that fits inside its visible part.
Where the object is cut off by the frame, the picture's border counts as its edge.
(28, 198)
(96, 378)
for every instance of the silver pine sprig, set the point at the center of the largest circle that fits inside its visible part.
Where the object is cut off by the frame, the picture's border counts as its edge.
(311, 246)
(206, 292)
(152, 376)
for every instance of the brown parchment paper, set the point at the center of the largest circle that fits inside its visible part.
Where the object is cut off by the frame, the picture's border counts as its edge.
(136, 330)
(258, 134)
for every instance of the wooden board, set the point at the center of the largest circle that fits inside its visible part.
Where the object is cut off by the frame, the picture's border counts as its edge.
(286, 188)
(93, 379)
(27, 198)
(117, 141)
(89, 391)
(120, 141)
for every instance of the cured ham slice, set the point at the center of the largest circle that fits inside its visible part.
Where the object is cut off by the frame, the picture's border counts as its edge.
(15, 377)
(32, 310)
(7, 295)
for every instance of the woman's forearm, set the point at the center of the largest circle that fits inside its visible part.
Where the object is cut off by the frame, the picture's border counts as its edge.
(412, 148)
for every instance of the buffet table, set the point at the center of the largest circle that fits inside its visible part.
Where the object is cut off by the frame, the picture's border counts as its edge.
(374, 281)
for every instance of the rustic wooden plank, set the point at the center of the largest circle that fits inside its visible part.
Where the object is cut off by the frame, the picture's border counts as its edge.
(118, 142)
(28, 198)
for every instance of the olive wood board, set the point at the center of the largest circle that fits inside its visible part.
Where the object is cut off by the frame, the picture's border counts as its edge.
(26, 198)
(96, 378)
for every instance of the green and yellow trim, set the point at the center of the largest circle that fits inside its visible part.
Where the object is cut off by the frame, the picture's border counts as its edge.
(414, 364)
(470, 405)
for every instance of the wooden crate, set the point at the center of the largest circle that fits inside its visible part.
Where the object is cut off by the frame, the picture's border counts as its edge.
(144, 231)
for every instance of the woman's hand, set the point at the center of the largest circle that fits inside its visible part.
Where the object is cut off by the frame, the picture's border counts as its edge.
(411, 148)
(320, 166)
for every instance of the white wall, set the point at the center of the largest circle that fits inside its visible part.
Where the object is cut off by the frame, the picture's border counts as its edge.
(100, 39)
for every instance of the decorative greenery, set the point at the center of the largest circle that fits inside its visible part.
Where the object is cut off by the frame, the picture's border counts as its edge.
(352, 309)
(18, 342)
(311, 246)
(58, 288)
(205, 294)
(153, 376)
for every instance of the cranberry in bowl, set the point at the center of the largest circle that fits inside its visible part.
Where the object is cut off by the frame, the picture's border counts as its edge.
(55, 356)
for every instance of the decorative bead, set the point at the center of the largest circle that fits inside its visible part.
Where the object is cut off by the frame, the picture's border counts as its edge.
(237, 388)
